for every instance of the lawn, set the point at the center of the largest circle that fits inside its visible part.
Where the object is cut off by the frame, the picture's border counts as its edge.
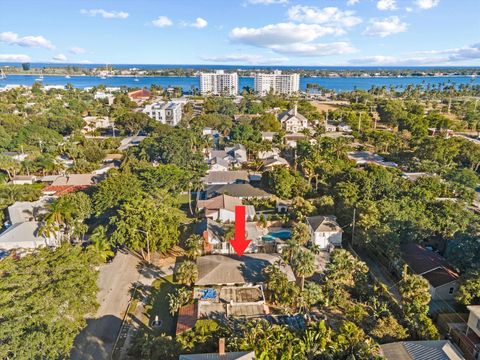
(158, 305)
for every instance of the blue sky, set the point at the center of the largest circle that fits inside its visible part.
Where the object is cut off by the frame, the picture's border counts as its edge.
(279, 32)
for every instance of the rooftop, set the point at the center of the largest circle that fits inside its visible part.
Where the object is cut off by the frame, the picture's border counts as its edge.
(475, 309)
(226, 177)
(421, 350)
(429, 264)
(219, 202)
(222, 269)
(238, 190)
(324, 223)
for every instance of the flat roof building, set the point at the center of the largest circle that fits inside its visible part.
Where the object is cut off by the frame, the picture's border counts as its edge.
(168, 113)
(277, 83)
(218, 83)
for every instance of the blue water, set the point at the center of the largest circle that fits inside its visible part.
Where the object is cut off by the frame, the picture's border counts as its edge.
(187, 83)
(282, 234)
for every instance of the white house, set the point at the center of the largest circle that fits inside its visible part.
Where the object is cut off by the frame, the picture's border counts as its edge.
(222, 208)
(19, 156)
(218, 164)
(262, 155)
(275, 161)
(24, 179)
(325, 231)
(474, 319)
(23, 232)
(95, 122)
(292, 121)
(234, 155)
(268, 135)
(168, 113)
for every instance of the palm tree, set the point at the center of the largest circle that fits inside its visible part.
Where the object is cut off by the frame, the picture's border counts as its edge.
(194, 245)
(187, 273)
(290, 250)
(304, 265)
(100, 245)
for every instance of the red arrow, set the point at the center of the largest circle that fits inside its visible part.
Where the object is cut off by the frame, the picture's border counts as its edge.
(240, 243)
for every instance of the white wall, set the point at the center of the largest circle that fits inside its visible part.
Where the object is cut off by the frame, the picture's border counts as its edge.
(472, 323)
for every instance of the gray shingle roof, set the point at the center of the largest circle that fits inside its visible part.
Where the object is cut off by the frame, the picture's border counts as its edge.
(225, 177)
(222, 269)
(323, 223)
(238, 190)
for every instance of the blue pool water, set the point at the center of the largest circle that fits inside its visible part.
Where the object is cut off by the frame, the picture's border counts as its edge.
(282, 234)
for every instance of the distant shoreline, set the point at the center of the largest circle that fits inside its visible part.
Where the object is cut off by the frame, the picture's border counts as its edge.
(243, 76)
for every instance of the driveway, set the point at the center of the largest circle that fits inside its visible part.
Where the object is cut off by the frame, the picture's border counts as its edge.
(115, 281)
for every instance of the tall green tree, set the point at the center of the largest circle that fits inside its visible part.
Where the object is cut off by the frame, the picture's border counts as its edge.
(44, 299)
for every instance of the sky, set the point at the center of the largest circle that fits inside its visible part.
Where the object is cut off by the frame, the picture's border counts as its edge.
(242, 32)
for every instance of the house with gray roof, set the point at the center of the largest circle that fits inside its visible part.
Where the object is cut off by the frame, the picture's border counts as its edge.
(241, 191)
(325, 231)
(225, 177)
(23, 232)
(292, 121)
(234, 270)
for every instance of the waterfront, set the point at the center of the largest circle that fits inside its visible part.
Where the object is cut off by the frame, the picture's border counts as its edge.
(188, 83)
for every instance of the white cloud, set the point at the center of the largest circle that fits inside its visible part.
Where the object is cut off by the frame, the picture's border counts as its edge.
(200, 23)
(25, 41)
(84, 62)
(328, 16)
(59, 58)
(281, 34)
(426, 4)
(245, 58)
(322, 49)
(352, 2)
(77, 50)
(268, 2)
(105, 14)
(292, 39)
(431, 57)
(385, 27)
(162, 21)
(408, 9)
(14, 58)
(387, 5)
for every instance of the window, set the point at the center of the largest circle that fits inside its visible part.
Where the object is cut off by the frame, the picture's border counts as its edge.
(478, 324)
(450, 291)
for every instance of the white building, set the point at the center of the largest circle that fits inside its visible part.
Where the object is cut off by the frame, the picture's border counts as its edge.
(325, 231)
(218, 83)
(292, 121)
(169, 113)
(277, 83)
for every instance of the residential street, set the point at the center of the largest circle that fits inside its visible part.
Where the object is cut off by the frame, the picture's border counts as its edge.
(115, 281)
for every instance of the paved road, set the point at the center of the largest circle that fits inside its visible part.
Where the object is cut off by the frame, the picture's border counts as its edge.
(115, 280)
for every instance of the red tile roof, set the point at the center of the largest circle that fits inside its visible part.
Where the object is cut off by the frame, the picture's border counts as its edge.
(187, 317)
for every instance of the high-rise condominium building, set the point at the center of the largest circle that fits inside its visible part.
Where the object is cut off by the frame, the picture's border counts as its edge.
(277, 82)
(219, 83)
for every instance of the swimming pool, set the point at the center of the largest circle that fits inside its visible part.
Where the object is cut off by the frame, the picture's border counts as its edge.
(281, 234)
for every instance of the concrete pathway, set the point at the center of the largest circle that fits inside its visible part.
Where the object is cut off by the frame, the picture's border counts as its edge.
(115, 281)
